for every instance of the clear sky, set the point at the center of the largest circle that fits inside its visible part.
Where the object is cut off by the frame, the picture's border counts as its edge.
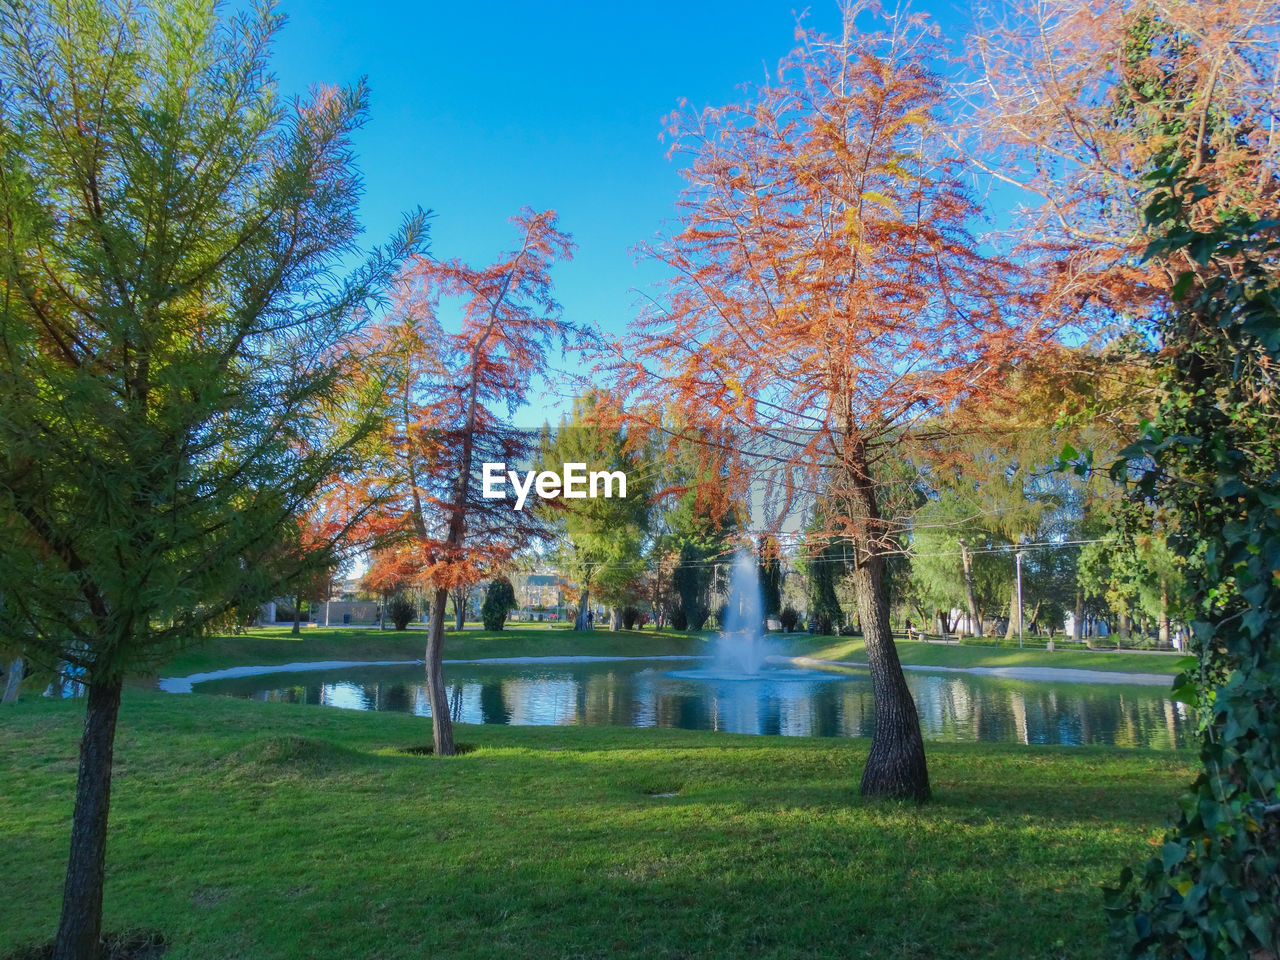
(481, 108)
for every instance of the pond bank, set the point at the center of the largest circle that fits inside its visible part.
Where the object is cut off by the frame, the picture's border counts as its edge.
(1034, 674)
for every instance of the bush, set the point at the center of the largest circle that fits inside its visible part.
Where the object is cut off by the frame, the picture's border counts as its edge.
(698, 616)
(848, 630)
(401, 611)
(678, 619)
(789, 617)
(499, 600)
(629, 617)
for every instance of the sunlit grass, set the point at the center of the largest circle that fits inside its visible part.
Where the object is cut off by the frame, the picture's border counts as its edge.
(244, 829)
(276, 645)
(957, 655)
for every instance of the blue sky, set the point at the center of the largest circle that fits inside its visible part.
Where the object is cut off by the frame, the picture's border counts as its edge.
(479, 109)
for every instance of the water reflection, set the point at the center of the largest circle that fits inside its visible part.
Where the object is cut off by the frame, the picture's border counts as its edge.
(952, 707)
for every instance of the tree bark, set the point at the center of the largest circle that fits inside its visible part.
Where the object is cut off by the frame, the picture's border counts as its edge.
(580, 623)
(1012, 629)
(297, 616)
(459, 608)
(615, 619)
(1077, 619)
(80, 929)
(966, 564)
(896, 765)
(1164, 612)
(13, 682)
(437, 695)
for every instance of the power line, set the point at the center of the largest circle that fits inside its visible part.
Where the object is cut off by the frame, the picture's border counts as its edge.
(647, 566)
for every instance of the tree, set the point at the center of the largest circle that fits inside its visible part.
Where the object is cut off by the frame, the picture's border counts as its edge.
(1073, 101)
(826, 294)
(174, 348)
(959, 560)
(499, 600)
(770, 570)
(1207, 471)
(605, 536)
(696, 521)
(1136, 577)
(401, 610)
(452, 396)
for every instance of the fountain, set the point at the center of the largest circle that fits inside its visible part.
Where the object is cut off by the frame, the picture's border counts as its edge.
(740, 647)
(742, 652)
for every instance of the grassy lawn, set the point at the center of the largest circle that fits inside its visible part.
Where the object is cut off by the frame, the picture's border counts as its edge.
(272, 645)
(956, 655)
(243, 829)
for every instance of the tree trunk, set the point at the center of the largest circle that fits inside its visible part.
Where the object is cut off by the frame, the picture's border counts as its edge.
(1077, 618)
(14, 680)
(437, 695)
(297, 616)
(966, 564)
(1012, 629)
(580, 623)
(80, 929)
(459, 608)
(1122, 630)
(1164, 612)
(615, 619)
(896, 765)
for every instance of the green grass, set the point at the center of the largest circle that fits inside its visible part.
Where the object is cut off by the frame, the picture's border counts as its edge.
(956, 655)
(274, 645)
(264, 830)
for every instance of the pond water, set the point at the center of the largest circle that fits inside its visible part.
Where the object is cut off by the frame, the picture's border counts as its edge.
(637, 693)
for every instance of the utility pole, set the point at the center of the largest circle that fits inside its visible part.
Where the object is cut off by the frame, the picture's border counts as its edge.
(1018, 562)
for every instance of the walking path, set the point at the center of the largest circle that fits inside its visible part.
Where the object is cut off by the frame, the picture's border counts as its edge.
(1049, 674)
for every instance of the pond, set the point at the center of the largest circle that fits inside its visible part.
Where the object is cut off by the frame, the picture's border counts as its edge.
(645, 693)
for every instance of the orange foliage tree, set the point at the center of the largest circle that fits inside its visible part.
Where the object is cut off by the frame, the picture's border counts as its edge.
(1074, 103)
(451, 396)
(826, 294)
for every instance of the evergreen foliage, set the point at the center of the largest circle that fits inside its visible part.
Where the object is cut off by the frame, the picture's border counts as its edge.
(499, 600)
(175, 342)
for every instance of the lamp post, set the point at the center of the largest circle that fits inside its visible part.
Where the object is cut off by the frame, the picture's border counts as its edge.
(1017, 557)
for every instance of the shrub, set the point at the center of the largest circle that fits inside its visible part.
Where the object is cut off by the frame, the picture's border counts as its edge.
(499, 600)
(698, 616)
(789, 617)
(401, 610)
(722, 614)
(678, 619)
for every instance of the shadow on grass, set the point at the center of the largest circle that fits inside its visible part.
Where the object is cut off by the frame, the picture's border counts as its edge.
(131, 945)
